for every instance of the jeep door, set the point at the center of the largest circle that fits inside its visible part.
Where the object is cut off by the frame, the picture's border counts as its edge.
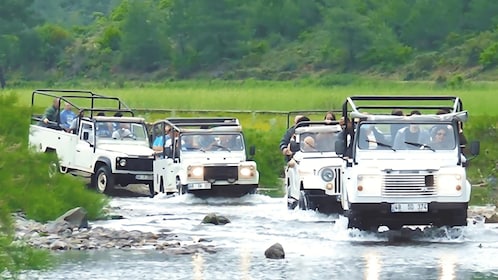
(85, 155)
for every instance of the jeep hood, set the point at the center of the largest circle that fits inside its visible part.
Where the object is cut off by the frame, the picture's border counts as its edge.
(434, 162)
(209, 158)
(127, 150)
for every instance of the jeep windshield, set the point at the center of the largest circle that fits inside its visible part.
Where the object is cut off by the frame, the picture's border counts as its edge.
(323, 141)
(120, 131)
(227, 142)
(397, 136)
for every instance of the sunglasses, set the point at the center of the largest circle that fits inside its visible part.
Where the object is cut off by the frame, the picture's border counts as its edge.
(441, 134)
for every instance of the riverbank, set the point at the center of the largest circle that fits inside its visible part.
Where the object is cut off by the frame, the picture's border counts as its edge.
(63, 235)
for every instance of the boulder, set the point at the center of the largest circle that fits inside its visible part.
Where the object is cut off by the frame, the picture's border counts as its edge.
(492, 219)
(275, 251)
(76, 217)
(214, 219)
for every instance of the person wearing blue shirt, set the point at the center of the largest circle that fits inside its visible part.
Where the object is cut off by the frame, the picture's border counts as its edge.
(161, 141)
(67, 116)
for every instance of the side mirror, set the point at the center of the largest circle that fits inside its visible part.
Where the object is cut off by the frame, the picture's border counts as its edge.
(475, 148)
(252, 150)
(339, 147)
(86, 135)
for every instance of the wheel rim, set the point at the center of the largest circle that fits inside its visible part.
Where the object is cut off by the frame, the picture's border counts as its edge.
(52, 169)
(101, 182)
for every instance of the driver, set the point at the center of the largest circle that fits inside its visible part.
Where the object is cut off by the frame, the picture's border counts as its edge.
(122, 132)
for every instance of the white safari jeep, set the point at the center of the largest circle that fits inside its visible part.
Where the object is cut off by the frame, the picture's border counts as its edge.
(203, 156)
(405, 170)
(313, 176)
(109, 150)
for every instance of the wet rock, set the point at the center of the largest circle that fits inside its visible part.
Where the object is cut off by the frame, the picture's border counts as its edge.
(76, 217)
(275, 251)
(61, 235)
(214, 219)
(492, 219)
(58, 245)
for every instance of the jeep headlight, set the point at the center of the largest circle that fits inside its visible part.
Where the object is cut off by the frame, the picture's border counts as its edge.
(449, 184)
(195, 172)
(327, 174)
(246, 171)
(122, 162)
(369, 184)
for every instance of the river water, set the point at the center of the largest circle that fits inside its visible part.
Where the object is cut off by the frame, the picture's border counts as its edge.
(317, 246)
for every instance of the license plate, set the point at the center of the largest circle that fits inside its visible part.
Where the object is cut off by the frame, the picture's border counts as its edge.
(199, 186)
(409, 207)
(144, 177)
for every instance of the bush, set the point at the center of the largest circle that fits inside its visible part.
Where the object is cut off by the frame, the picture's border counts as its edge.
(26, 185)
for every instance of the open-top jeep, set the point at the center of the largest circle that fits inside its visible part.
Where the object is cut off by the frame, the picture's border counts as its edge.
(110, 150)
(203, 156)
(313, 176)
(405, 170)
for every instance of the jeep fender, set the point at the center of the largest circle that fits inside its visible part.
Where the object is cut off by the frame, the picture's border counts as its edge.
(102, 161)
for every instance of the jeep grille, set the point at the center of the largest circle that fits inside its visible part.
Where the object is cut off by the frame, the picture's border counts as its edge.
(221, 173)
(338, 180)
(408, 185)
(136, 164)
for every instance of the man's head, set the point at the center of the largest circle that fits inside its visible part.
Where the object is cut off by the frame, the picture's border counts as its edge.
(68, 106)
(397, 112)
(57, 102)
(296, 118)
(309, 143)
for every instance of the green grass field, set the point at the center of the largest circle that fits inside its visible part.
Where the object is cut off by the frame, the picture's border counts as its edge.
(478, 98)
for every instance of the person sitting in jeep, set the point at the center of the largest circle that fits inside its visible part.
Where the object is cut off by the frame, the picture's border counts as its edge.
(122, 132)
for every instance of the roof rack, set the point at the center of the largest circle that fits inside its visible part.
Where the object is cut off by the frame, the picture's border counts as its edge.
(290, 121)
(93, 102)
(380, 103)
(203, 123)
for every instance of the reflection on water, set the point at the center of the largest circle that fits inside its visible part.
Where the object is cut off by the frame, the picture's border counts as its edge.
(372, 270)
(198, 262)
(245, 263)
(447, 263)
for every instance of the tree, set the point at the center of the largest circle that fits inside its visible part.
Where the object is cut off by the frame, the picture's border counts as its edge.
(206, 32)
(144, 45)
(350, 33)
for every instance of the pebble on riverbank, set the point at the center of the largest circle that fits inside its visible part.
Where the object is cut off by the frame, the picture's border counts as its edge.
(62, 234)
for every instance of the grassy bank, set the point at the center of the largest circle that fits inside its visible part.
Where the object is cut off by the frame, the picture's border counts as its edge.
(26, 187)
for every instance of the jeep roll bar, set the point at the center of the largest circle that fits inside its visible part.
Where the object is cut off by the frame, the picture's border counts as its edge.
(74, 96)
(290, 120)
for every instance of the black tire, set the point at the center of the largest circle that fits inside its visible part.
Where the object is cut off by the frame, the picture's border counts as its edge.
(305, 202)
(359, 221)
(182, 189)
(152, 193)
(103, 180)
(453, 218)
(161, 185)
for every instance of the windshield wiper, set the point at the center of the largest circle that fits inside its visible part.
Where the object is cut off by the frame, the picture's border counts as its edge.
(420, 145)
(381, 144)
(221, 147)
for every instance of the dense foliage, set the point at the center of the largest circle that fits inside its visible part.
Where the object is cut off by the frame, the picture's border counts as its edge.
(263, 39)
(26, 187)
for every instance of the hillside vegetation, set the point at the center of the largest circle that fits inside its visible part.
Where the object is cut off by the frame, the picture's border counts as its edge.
(152, 40)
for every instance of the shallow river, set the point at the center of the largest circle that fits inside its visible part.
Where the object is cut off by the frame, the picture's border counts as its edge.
(317, 246)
